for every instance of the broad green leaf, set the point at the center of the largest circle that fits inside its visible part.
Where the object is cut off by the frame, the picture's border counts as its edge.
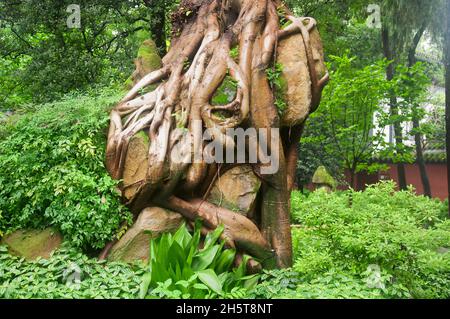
(213, 237)
(182, 236)
(225, 261)
(146, 280)
(209, 278)
(204, 259)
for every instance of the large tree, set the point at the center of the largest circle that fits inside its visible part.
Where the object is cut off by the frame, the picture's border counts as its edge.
(447, 86)
(50, 58)
(275, 61)
(404, 24)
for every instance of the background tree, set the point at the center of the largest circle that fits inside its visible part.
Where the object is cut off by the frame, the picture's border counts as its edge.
(55, 59)
(404, 24)
(350, 105)
(447, 87)
(411, 89)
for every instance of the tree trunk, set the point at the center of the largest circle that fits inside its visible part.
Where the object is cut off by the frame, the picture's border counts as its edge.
(416, 123)
(158, 23)
(447, 89)
(178, 110)
(352, 179)
(398, 132)
(420, 160)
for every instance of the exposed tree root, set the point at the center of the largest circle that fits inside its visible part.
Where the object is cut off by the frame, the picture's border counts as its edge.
(178, 109)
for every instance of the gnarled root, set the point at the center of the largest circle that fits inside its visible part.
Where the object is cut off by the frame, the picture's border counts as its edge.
(178, 110)
(239, 230)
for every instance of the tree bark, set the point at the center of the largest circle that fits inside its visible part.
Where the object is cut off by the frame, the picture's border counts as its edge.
(398, 132)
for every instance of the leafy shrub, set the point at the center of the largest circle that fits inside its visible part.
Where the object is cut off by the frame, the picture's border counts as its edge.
(49, 278)
(289, 284)
(401, 234)
(52, 171)
(178, 268)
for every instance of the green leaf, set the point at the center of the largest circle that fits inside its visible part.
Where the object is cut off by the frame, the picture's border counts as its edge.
(145, 284)
(213, 237)
(205, 258)
(182, 236)
(225, 260)
(210, 279)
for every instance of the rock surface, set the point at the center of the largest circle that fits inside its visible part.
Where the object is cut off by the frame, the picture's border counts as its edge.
(32, 244)
(296, 79)
(236, 190)
(134, 245)
(147, 61)
(323, 179)
(136, 164)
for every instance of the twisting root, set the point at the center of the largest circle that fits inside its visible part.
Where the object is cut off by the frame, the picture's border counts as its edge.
(176, 112)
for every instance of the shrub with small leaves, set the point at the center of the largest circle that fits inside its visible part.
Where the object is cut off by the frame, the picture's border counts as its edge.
(401, 234)
(52, 170)
(55, 278)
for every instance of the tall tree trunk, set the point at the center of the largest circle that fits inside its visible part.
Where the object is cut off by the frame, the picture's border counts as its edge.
(447, 89)
(157, 10)
(393, 106)
(420, 159)
(416, 123)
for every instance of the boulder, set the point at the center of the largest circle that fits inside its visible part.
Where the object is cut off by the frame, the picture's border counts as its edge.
(135, 244)
(147, 60)
(136, 164)
(296, 79)
(33, 244)
(323, 179)
(236, 190)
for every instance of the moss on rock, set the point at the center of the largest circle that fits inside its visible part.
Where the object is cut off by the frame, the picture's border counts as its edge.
(323, 178)
(136, 164)
(147, 60)
(148, 53)
(32, 244)
(226, 92)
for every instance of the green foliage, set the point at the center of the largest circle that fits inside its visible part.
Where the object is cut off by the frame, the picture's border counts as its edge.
(234, 53)
(278, 84)
(289, 284)
(435, 125)
(226, 92)
(50, 59)
(274, 75)
(12, 91)
(317, 149)
(52, 171)
(352, 116)
(20, 279)
(400, 233)
(178, 268)
(364, 245)
(411, 88)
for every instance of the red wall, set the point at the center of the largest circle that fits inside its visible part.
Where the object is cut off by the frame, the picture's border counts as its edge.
(437, 173)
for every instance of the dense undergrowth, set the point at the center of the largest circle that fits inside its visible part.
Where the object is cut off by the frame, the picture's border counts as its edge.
(52, 170)
(396, 242)
(379, 243)
(68, 274)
